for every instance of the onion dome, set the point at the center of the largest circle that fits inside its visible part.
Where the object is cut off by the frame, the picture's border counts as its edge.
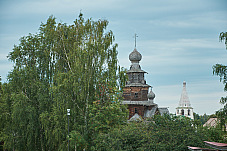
(151, 95)
(135, 56)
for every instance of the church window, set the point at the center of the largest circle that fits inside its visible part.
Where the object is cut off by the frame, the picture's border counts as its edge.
(177, 111)
(136, 111)
(136, 95)
(130, 77)
(182, 112)
(136, 77)
(188, 112)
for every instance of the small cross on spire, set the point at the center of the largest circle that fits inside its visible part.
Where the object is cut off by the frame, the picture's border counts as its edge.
(135, 39)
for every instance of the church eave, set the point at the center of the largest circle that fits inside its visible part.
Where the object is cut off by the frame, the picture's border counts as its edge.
(184, 107)
(145, 103)
(136, 71)
(137, 85)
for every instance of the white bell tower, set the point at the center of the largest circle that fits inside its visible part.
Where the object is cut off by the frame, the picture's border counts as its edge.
(184, 108)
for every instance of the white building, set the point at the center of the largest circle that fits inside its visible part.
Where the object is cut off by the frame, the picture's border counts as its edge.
(184, 108)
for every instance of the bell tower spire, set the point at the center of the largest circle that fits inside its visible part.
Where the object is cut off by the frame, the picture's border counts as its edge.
(184, 108)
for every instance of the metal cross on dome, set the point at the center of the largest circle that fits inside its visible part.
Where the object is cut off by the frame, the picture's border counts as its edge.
(135, 39)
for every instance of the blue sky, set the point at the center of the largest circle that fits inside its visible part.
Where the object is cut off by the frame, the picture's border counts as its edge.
(178, 40)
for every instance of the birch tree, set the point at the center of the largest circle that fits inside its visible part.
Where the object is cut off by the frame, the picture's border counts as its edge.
(221, 71)
(64, 66)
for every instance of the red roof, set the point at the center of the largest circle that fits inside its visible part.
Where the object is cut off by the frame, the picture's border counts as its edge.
(194, 147)
(216, 144)
(199, 148)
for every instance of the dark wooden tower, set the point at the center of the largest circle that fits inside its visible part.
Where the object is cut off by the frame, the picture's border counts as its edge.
(135, 93)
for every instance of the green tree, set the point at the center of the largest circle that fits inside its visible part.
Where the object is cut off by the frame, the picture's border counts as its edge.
(63, 66)
(162, 133)
(202, 119)
(221, 71)
(28, 95)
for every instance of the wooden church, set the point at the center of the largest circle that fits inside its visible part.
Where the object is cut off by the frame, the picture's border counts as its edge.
(136, 92)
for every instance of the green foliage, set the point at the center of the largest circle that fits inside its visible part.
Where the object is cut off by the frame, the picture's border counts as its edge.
(222, 114)
(223, 37)
(98, 121)
(160, 133)
(221, 71)
(63, 66)
(77, 140)
(202, 119)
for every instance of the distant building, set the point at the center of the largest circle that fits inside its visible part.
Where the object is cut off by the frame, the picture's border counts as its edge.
(184, 108)
(135, 93)
(212, 122)
(215, 145)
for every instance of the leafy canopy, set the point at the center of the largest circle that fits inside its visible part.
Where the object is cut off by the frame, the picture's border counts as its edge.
(62, 67)
(221, 71)
(162, 133)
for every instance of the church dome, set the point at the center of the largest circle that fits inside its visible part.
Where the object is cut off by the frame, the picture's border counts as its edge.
(135, 56)
(151, 95)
